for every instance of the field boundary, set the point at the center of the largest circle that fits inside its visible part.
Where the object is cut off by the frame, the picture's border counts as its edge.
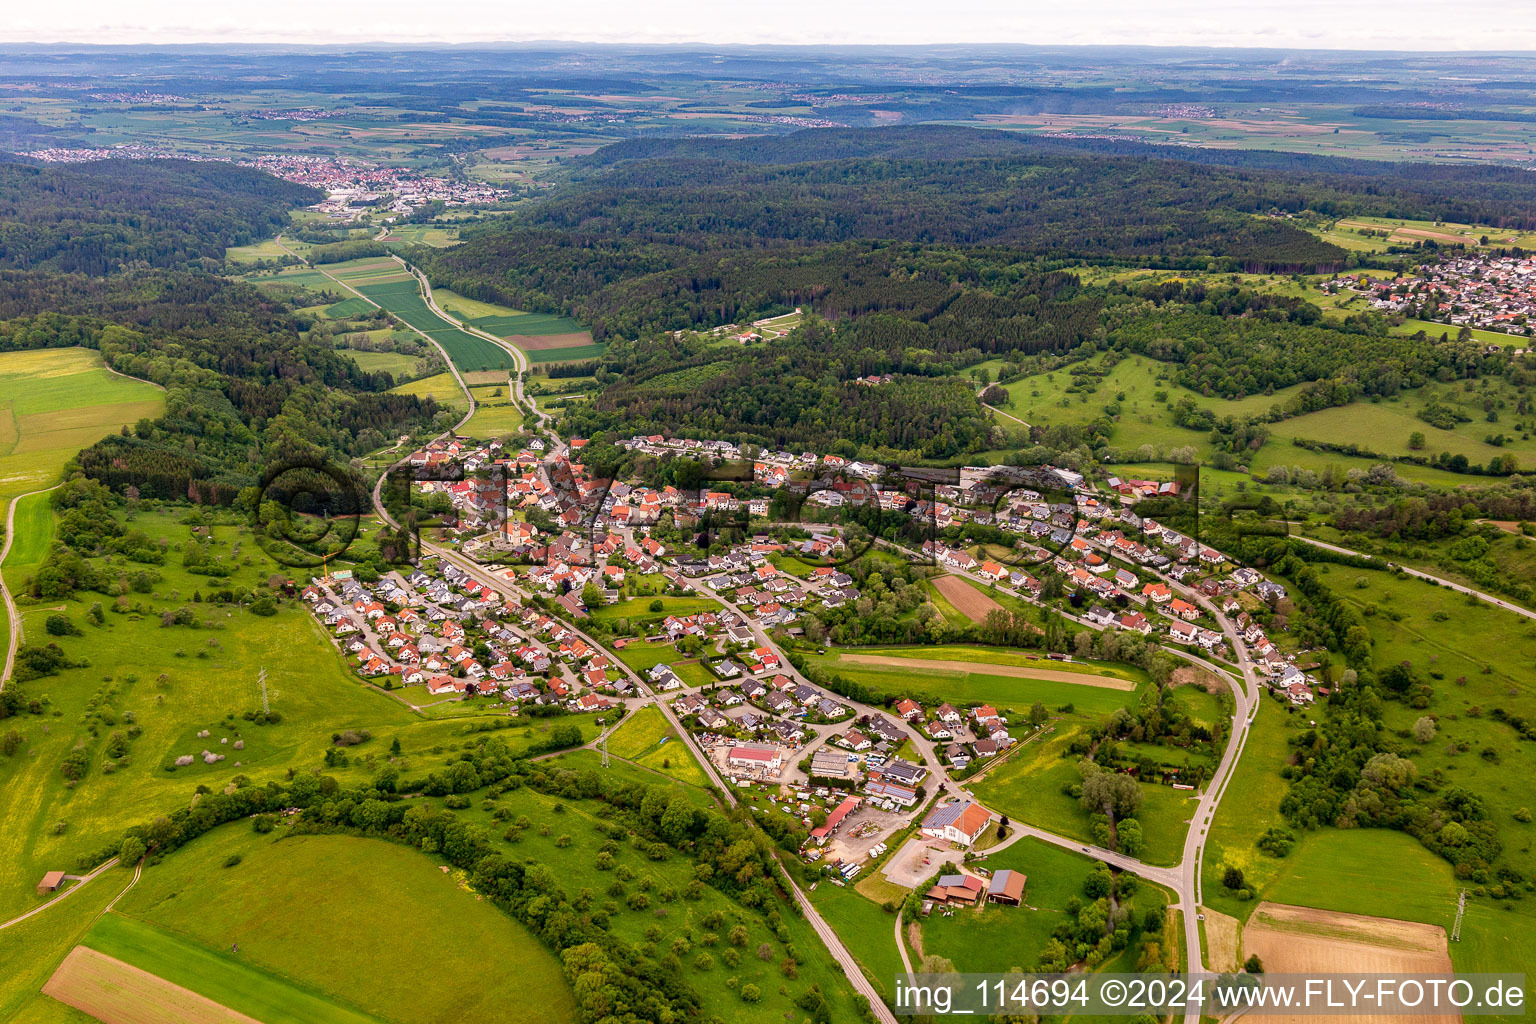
(120, 993)
(982, 668)
(966, 598)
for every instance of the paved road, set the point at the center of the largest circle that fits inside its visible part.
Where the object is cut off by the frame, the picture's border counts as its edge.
(67, 893)
(320, 268)
(13, 639)
(1183, 879)
(1497, 602)
(520, 360)
(823, 930)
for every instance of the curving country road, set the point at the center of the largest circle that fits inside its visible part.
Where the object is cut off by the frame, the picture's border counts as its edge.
(1497, 602)
(67, 893)
(12, 617)
(1183, 879)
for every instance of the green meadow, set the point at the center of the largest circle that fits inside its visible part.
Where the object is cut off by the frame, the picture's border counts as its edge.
(148, 690)
(54, 402)
(1030, 786)
(563, 833)
(496, 414)
(647, 739)
(441, 386)
(638, 609)
(280, 907)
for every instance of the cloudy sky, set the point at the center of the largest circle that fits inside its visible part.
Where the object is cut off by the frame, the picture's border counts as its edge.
(1323, 24)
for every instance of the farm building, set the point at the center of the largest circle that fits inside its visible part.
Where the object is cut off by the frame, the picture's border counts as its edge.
(1007, 887)
(51, 882)
(963, 889)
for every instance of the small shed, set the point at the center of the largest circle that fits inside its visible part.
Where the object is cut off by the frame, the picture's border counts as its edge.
(1007, 887)
(51, 882)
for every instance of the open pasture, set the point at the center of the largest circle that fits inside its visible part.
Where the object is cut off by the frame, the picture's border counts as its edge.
(54, 402)
(173, 681)
(187, 913)
(440, 386)
(976, 676)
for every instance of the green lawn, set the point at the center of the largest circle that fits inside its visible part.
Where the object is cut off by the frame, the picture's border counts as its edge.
(33, 533)
(866, 929)
(286, 903)
(639, 655)
(647, 739)
(639, 608)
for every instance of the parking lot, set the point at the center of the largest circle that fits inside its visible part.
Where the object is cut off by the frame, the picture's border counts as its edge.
(851, 848)
(916, 861)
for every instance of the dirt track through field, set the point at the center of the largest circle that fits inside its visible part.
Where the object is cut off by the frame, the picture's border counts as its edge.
(119, 993)
(968, 601)
(980, 668)
(1301, 940)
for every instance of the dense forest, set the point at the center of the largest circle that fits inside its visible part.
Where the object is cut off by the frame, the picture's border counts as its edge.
(671, 233)
(244, 389)
(98, 217)
(806, 393)
(922, 251)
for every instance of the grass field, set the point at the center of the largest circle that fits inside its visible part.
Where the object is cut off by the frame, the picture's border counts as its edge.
(293, 278)
(174, 682)
(440, 386)
(639, 608)
(389, 362)
(494, 416)
(866, 929)
(647, 739)
(571, 846)
(54, 402)
(437, 235)
(961, 686)
(348, 308)
(1029, 787)
(267, 249)
(465, 308)
(33, 523)
(1380, 427)
(182, 919)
